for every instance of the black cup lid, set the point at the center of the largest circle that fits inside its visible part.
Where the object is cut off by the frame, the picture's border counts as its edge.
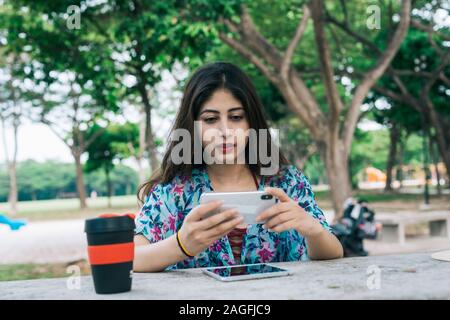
(109, 224)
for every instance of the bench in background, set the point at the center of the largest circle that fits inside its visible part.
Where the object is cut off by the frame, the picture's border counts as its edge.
(394, 224)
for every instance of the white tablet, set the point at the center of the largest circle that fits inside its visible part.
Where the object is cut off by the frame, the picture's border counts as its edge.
(245, 272)
(248, 203)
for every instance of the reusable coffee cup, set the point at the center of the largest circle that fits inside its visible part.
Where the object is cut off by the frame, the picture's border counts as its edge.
(111, 252)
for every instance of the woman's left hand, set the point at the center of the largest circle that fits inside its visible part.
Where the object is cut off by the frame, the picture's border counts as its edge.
(287, 214)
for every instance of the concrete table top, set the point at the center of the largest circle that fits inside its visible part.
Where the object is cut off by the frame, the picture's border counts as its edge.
(405, 276)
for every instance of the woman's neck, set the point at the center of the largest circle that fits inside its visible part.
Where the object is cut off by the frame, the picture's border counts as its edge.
(229, 174)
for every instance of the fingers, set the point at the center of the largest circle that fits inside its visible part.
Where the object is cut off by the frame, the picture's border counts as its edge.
(283, 226)
(272, 211)
(222, 229)
(202, 210)
(217, 219)
(278, 219)
(279, 193)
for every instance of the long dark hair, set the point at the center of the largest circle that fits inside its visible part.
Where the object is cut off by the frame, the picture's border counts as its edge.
(199, 88)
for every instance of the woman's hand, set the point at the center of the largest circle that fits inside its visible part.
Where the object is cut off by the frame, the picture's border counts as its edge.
(287, 214)
(198, 233)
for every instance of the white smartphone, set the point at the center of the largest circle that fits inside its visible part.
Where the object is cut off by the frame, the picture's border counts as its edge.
(245, 272)
(249, 203)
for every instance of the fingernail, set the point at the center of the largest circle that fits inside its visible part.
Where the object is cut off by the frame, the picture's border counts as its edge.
(264, 226)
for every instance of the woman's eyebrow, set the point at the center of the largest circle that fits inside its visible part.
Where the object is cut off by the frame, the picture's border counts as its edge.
(216, 111)
(235, 109)
(210, 110)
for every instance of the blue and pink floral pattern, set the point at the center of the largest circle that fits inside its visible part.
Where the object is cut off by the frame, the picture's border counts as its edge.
(167, 205)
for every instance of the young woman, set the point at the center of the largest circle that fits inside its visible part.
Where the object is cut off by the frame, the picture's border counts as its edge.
(171, 228)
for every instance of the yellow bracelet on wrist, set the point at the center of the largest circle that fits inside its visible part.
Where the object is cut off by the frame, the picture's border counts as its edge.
(182, 247)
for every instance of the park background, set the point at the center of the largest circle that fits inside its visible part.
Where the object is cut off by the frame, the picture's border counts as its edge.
(89, 89)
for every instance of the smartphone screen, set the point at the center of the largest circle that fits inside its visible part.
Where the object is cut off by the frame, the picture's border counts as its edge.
(244, 270)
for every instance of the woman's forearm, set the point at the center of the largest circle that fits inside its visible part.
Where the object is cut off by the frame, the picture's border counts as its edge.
(155, 257)
(324, 246)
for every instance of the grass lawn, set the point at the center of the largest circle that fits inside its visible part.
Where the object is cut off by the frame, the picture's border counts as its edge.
(11, 272)
(61, 209)
(392, 201)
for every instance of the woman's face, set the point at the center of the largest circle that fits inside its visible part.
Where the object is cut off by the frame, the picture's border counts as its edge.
(224, 127)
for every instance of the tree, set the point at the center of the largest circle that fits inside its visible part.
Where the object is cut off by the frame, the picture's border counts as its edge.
(74, 83)
(331, 120)
(128, 142)
(148, 37)
(113, 144)
(12, 109)
(418, 76)
(56, 180)
(101, 155)
(401, 123)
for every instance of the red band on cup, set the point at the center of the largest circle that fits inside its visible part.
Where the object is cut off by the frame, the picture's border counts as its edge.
(111, 253)
(114, 215)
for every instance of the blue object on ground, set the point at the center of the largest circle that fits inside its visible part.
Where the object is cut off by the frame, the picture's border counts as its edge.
(13, 224)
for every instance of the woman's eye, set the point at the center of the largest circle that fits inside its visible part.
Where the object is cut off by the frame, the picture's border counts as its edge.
(236, 118)
(209, 120)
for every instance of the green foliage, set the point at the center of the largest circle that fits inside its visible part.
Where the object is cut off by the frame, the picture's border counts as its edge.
(111, 145)
(370, 148)
(136, 39)
(53, 179)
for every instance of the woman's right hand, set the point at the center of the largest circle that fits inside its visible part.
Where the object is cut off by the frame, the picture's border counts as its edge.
(197, 232)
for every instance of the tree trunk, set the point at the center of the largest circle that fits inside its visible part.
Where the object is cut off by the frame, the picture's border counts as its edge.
(336, 163)
(13, 193)
(151, 146)
(401, 151)
(80, 180)
(435, 159)
(109, 187)
(277, 67)
(11, 164)
(142, 143)
(150, 143)
(440, 133)
(394, 135)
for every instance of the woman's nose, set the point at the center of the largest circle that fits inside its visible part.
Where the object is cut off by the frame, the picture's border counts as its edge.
(223, 127)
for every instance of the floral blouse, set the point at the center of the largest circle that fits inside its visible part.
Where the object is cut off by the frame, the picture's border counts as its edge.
(167, 205)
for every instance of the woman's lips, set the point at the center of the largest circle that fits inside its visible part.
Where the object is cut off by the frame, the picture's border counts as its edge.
(227, 147)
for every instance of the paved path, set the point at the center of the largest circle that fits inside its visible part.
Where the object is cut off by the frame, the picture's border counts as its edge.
(65, 241)
(408, 276)
(43, 242)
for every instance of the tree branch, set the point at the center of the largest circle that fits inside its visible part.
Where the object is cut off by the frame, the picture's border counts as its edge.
(331, 92)
(52, 126)
(94, 137)
(428, 28)
(353, 34)
(239, 47)
(256, 41)
(257, 49)
(294, 42)
(444, 79)
(376, 72)
(436, 74)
